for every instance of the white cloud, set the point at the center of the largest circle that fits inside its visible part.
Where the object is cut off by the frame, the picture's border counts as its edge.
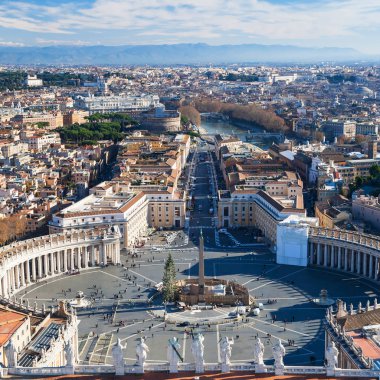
(11, 43)
(199, 20)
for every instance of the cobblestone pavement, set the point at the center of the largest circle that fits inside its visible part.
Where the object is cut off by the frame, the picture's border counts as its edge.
(119, 304)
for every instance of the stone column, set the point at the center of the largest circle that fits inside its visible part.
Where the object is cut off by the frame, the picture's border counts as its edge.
(34, 276)
(13, 278)
(71, 259)
(65, 260)
(345, 254)
(352, 260)
(3, 287)
(318, 253)
(358, 262)
(376, 275)
(59, 261)
(46, 265)
(332, 256)
(325, 255)
(339, 264)
(22, 274)
(39, 266)
(365, 264)
(27, 272)
(17, 276)
(92, 255)
(5, 279)
(370, 275)
(86, 257)
(79, 259)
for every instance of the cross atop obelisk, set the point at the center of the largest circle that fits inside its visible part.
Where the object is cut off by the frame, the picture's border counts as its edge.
(201, 280)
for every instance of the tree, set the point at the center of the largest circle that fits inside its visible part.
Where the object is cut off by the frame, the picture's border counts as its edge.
(358, 182)
(191, 114)
(169, 280)
(360, 139)
(319, 136)
(374, 170)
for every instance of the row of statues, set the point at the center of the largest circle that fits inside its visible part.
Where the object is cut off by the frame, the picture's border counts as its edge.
(197, 350)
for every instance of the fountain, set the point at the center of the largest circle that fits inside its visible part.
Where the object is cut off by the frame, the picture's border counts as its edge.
(323, 299)
(80, 300)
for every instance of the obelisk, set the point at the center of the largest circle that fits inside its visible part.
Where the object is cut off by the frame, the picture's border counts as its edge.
(201, 280)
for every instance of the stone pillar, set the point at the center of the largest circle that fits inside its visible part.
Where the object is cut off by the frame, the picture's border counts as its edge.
(325, 255)
(345, 251)
(46, 265)
(365, 264)
(332, 256)
(339, 266)
(59, 261)
(5, 285)
(318, 253)
(78, 258)
(34, 276)
(370, 274)
(40, 266)
(27, 272)
(71, 259)
(65, 258)
(86, 257)
(13, 278)
(22, 274)
(352, 260)
(17, 276)
(358, 262)
(376, 274)
(92, 256)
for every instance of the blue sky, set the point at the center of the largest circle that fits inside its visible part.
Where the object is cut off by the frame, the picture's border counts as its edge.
(315, 23)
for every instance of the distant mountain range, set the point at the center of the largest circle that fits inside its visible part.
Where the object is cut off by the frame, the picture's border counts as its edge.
(175, 54)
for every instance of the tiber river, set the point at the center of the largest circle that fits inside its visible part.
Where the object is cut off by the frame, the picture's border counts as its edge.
(231, 128)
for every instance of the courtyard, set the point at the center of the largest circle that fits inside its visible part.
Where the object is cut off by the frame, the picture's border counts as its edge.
(123, 305)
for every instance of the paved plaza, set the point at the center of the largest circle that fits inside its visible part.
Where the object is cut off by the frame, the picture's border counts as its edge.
(120, 308)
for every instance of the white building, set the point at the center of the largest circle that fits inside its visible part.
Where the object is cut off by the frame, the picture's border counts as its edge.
(121, 103)
(292, 240)
(33, 81)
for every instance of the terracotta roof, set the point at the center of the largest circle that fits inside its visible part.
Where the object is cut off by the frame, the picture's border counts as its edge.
(10, 321)
(368, 347)
(358, 321)
(132, 201)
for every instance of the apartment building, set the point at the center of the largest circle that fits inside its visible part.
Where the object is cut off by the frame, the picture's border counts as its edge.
(367, 209)
(37, 142)
(133, 210)
(337, 128)
(53, 120)
(367, 129)
(246, 206)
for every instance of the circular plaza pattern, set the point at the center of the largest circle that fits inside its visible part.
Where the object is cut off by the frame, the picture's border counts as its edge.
(122, 305)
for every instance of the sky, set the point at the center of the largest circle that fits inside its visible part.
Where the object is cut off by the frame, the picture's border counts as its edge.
(311, 23)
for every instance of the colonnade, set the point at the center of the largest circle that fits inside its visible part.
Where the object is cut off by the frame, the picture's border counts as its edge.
(329, 252)
(57, 254)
